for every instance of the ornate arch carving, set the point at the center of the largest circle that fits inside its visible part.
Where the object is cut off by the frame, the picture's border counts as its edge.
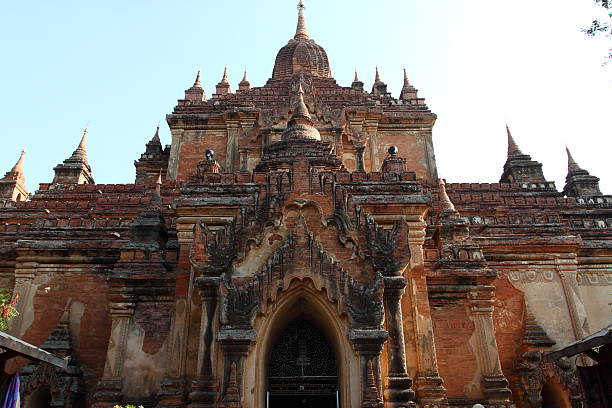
(64, 387)
(298, 258)
(534, 372)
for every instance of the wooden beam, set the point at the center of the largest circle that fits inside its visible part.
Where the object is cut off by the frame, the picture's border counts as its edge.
(29, 351)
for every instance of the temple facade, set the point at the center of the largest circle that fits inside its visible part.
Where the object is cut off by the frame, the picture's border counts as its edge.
(295, 247)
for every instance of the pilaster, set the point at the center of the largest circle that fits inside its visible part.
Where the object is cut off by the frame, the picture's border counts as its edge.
(428, 384)
(368, 343)
(567, 270)
(173, 162)
(398, 391)
(244, 158)
(174, 386)
(235, 345)
(24, 275)
(494, 383)
(371, 129)
(204, 386)
(109, 389)
(233, 128)
(359, 158)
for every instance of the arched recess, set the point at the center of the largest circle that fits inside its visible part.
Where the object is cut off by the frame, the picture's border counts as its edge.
(553, 395)
(39, 398)
(41, 380)
(302, 368)
(302, 300)
(546, 383)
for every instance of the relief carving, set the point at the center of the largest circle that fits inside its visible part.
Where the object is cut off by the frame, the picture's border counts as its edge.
(239, 303)
(365, 302)
(388, 249)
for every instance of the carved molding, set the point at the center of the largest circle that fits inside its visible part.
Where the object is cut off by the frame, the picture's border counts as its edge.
(361, 302)
(594, 278)
(532, 276)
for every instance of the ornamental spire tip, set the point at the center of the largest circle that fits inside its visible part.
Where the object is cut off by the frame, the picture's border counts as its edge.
(197, 83)
(572, 166)
(513, 148)
(301, 32)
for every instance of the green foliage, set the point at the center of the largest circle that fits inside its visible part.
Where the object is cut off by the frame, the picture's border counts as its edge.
(128, 406)
(602, 26)
(7, 308)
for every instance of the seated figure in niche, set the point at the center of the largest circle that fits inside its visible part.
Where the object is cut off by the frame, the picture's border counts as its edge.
(209, 164)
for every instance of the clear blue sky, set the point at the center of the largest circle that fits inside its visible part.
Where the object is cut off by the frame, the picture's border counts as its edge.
(118, 67)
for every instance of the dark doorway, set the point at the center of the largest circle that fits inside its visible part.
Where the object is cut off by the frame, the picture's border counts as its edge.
(302, 371)
(552, 396)
(40, 398)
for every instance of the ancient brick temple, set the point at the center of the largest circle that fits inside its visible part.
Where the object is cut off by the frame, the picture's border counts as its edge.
(294, 247)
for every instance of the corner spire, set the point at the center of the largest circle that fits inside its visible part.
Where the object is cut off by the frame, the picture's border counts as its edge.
(197, 83)
(153, 162)
(18, 167)
(244, 85)
(76, 168)
(578, 182)
(80, 153)
(12, 185)
(195, 94)
(409, 93)
(357, 84)
(154, 146)
(156, 139)
(572, 166)
(445, 203)
(83, 140)
(223, 87)
(520, 168)
(513, 149)
(379, 87)
(301, 32)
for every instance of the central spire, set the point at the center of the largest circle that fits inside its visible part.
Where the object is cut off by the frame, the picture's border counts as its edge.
(301, 111)
(302, 55)
(300, 125)
(301, 32)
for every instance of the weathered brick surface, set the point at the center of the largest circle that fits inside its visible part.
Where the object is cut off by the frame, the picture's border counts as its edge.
(286, 212)
(508, 317)
(453, 331)
(90, 322)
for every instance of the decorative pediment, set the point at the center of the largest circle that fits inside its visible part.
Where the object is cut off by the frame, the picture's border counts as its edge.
(301, 257)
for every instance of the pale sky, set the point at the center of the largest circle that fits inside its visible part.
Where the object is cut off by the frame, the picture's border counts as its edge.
(118, 67)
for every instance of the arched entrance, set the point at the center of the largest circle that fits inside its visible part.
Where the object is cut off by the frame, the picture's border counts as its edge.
(302, 369)
(40, 398)
(553, 396)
